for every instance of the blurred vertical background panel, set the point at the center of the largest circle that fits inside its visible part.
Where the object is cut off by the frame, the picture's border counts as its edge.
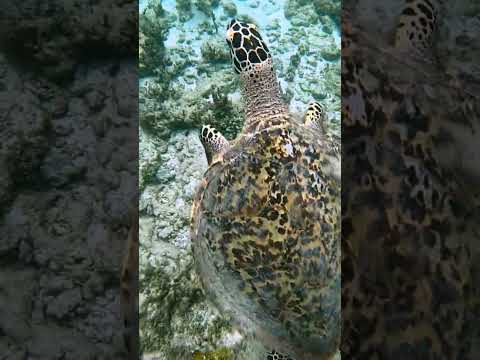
(410, 176)
(68, 177)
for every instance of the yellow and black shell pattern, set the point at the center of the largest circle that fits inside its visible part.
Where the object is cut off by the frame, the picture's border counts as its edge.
(266, 238)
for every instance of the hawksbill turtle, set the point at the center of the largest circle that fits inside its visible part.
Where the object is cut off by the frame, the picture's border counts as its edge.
(266, 218)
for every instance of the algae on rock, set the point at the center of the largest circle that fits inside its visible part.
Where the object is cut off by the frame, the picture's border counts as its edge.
(153, 28)
(331, 52)
(230, 8)
(332, 75)
(184, 9)
(176, 320)
(209, 104)
(305, 9)
(221, 354)
(248, 19)
(292, 68)
(214, 52)
(207, 6)
(328, 7)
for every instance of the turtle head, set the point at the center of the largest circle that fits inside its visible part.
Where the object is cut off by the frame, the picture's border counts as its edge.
(247, 48)
(260, 87)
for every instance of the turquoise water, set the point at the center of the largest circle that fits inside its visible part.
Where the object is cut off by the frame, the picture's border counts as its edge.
(284, 37)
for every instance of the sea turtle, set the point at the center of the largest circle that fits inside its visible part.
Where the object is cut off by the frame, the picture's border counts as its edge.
(266, 218)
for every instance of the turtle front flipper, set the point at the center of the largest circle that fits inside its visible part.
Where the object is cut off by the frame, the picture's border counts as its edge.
(213, 142)
(316, 116)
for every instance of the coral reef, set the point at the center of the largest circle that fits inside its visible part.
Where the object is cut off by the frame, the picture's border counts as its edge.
(208, 105)
(177, 321)
(184, 9)
(310, 12)
(222, 354)
(207, 7)
(230, 8)
(331, 52)
(214, 52)
(328, 7)
(153, 30)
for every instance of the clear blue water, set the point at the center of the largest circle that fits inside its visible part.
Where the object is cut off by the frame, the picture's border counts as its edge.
(265, 13)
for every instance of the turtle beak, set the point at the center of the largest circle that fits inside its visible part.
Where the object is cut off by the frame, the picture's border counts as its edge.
(230, 35)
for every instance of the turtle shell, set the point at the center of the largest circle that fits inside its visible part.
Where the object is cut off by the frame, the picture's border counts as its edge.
(266, 238)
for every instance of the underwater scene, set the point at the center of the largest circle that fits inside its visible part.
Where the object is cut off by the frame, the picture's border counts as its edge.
(188, 81)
